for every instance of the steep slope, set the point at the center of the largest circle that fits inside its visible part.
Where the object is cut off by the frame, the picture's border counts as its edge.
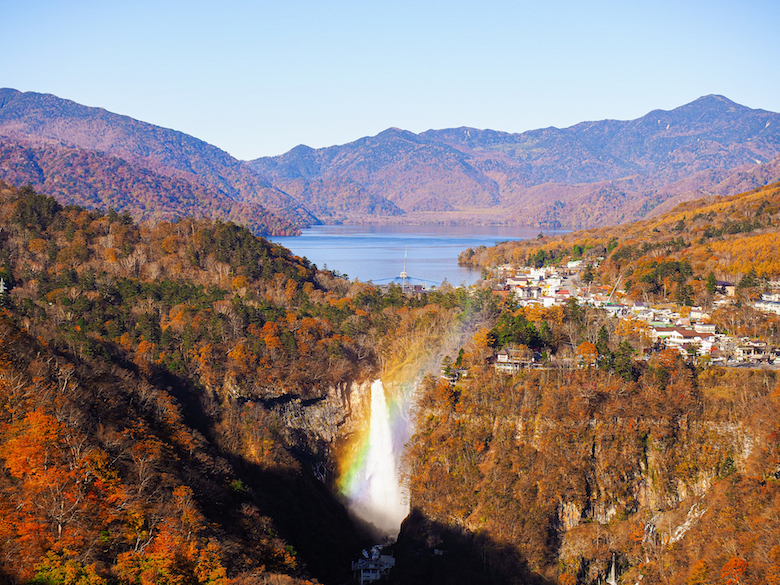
(556, 476)
(97, 180)
(656, 470)
(48, 120)
(144, 375)
(589, 174)
(183, 388)
(107, 479)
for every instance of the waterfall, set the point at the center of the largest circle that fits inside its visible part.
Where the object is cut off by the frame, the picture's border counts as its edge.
(373, 488)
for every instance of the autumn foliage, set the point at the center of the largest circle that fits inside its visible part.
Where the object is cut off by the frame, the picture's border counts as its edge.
(577, 468)
(671, 256)
(149, 381)
(140, 367)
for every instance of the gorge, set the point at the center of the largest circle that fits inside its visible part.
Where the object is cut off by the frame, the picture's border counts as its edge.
(372, 477)
(182, 401)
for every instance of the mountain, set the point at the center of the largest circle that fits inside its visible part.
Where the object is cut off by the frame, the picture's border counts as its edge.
(567, 476)
(592, 173)
(44, 120)
(97, 180)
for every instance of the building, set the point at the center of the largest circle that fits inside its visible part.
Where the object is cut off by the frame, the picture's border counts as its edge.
(616, 309)
(768, 306)
(372, 567)
(527, 292)
(683, 338)
(708, 328)
(511, 361)
(752, 351)
(724, 287)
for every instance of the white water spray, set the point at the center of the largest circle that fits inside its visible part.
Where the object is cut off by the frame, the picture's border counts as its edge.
(377, 495)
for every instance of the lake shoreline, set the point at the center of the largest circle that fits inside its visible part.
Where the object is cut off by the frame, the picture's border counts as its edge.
(380, 253)
(470, 218)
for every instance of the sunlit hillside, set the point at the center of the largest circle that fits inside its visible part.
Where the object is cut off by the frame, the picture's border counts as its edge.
(168, 391)
(730, 237)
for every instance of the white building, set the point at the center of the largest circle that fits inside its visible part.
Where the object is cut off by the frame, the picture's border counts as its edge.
(768, 306)
(682, 338)
(372, 568)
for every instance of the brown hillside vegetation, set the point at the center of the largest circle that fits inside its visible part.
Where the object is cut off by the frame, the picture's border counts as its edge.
(154, 398)
(100, 181)
(590, 174)
(100, 480)
(554, 475)
(129, 455)
(167, 392)
(666, 471)
(56, 124)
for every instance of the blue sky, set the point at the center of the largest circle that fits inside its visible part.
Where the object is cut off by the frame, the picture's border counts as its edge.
(258, 78)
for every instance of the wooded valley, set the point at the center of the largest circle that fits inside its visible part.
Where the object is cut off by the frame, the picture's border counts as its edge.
(159, 384)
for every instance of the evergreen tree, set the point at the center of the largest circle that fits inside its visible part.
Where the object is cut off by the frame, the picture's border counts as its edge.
(712, 283)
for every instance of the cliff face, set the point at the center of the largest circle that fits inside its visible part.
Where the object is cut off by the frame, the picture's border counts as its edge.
(315, 426)
(628, 472)
(571, 470)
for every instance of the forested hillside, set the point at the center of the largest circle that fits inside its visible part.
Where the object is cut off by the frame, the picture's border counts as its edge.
(96, 180)
(591, 174)
(674, 256)
(156, 388)
(662, 469)
(665, 471)
(173, 396)
(64, 139)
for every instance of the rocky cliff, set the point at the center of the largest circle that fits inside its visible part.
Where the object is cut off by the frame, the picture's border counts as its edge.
(573, 470)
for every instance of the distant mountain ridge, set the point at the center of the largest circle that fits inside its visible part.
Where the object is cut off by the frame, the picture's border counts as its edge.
(46, 121)
(100, 181)
(590, 174)
(617, 170)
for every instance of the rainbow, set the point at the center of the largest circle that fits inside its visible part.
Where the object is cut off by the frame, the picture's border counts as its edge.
(370, 470)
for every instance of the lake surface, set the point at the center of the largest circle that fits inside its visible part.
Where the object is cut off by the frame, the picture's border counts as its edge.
(376, 252)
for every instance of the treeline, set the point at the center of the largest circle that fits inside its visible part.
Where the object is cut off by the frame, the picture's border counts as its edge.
(186, 297)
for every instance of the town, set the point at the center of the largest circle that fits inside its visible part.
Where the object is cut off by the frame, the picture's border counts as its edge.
(689, 329)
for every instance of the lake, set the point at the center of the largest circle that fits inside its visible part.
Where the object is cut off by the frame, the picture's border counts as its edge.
(376, 252)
